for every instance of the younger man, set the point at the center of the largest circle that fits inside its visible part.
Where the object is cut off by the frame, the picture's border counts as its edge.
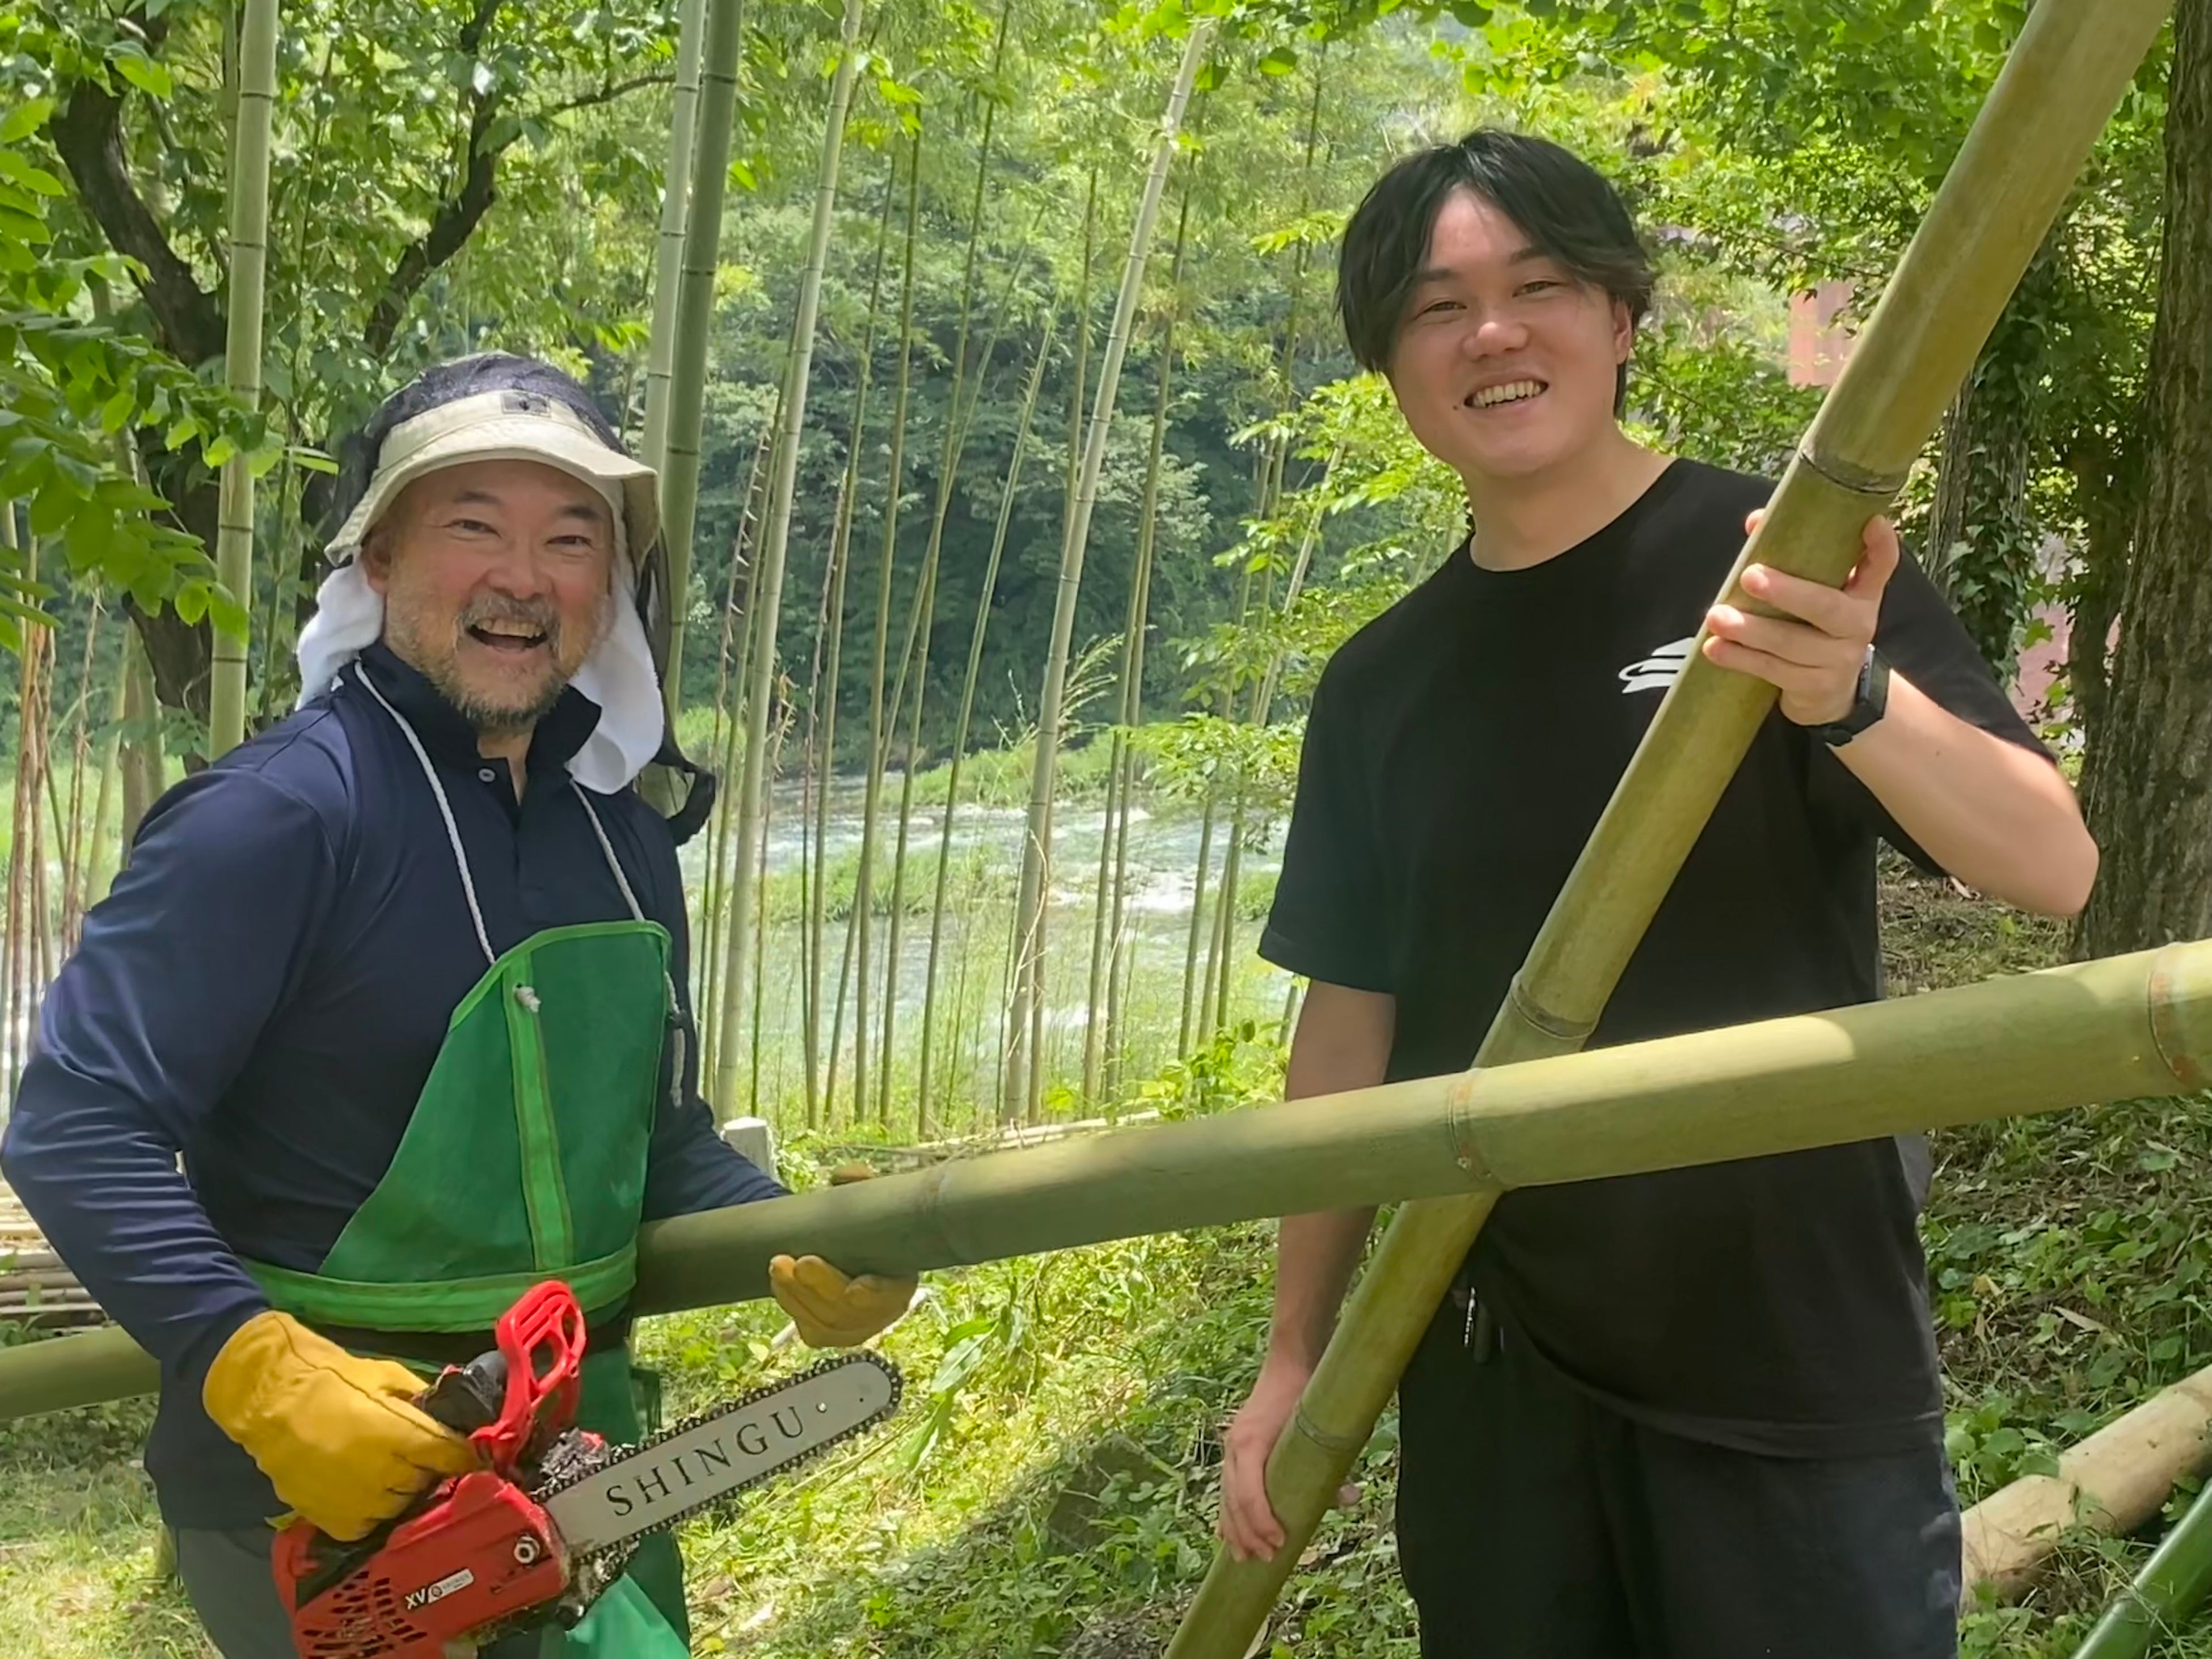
(1698, 1413)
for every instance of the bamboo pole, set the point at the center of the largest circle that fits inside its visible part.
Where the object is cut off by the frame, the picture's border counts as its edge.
(1023, 1062)
(959, 753)
(862, 920)
(249, 260)
(2111, 1482)
(768, 578)
(2072, 63)
(668, 247)
(1114, 826)
(2159, 1600)
(721, 52)
(841, 541)
(2131, 1027)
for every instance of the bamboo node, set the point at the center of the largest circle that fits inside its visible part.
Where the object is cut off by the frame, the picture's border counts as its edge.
(1334, 1445)
(2172, 1005)
(1557, 1027)
(1847, 475)
(1460, 1129)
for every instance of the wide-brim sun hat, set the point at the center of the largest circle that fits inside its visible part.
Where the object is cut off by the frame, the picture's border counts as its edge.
(505, 424)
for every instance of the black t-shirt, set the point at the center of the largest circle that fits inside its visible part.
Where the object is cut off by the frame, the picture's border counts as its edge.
(1458, 753)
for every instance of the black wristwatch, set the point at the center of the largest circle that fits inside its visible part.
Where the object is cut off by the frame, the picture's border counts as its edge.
(1866, 706)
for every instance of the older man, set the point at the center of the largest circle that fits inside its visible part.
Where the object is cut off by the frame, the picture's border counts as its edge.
(386, 1020)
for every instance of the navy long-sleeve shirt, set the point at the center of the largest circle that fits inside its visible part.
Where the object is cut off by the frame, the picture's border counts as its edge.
(265, 990)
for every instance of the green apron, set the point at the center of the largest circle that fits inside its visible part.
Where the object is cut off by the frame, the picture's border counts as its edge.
(549, 1065)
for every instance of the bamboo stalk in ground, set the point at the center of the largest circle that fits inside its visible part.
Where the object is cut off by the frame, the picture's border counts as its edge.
(249, 257)
(1197, 923)
(668, 247)
(2072, 61)
(768, 581)
(721, 52)
(924, 604)
(1023, 1063)
(2131, 1027)
(864, 879)
(959, 753)
(840, 540)
(1114, 827)
(737, 618)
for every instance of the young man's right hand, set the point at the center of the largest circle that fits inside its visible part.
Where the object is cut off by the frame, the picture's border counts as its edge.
(1248, 1524)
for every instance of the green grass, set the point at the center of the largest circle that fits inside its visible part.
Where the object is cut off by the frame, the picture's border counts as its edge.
(1048, 1488)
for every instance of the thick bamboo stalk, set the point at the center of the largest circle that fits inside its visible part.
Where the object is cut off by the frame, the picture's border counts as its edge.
(668, 248)
(1023, 1063)
(2131, 1027)
(249, 260)
(2067, 70)
(2163, 1596)
(2112, 1482)
(768, 577)
(721, 53)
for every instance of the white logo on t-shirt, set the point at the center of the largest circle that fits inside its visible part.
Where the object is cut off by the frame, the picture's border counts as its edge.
(1658, 670)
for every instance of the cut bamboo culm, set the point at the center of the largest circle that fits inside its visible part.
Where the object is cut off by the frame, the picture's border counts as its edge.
(2130, 1027)
(2058, 86)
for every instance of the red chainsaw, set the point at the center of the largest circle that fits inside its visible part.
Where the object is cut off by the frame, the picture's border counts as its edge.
(538, 1534)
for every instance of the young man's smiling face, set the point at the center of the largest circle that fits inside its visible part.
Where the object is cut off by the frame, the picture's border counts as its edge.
(1506, 363)
(495, 577)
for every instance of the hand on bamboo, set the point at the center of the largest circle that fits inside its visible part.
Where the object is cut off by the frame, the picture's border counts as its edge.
(1247, 1523)
(830, 1310)
(1813, 653)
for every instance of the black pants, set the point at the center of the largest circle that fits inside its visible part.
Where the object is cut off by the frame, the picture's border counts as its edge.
(1534, 1523)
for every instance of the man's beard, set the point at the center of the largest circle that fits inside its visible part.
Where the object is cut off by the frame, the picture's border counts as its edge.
(491, 717)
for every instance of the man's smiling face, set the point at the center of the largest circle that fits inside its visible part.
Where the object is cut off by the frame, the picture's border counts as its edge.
(1505, 361)
(495, 577)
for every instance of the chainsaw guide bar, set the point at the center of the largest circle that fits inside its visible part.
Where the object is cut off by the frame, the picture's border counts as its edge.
(610, 1504)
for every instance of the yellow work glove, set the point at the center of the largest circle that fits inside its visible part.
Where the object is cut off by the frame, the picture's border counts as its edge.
(338, 1436)
(830, 1310)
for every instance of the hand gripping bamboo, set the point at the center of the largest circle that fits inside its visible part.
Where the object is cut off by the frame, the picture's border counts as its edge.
(2065, 74)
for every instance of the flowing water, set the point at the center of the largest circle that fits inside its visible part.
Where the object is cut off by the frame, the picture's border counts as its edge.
(984, 867)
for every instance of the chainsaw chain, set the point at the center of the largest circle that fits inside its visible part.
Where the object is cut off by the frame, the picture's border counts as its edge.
(624, 1546)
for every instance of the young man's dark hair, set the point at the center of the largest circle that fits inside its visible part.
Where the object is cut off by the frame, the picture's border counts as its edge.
(1568, 210)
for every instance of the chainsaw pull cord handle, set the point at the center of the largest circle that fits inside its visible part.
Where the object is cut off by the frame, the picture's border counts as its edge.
(541, 1337)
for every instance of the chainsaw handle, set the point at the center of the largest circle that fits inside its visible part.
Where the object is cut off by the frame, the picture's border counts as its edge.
(541, 1337)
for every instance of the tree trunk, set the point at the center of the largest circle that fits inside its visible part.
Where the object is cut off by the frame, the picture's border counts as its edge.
(721, 53)
(668, 249)
(1982, 545)
(249, 259)
(2150, 772)
(768, 579)
(1023, 1063)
